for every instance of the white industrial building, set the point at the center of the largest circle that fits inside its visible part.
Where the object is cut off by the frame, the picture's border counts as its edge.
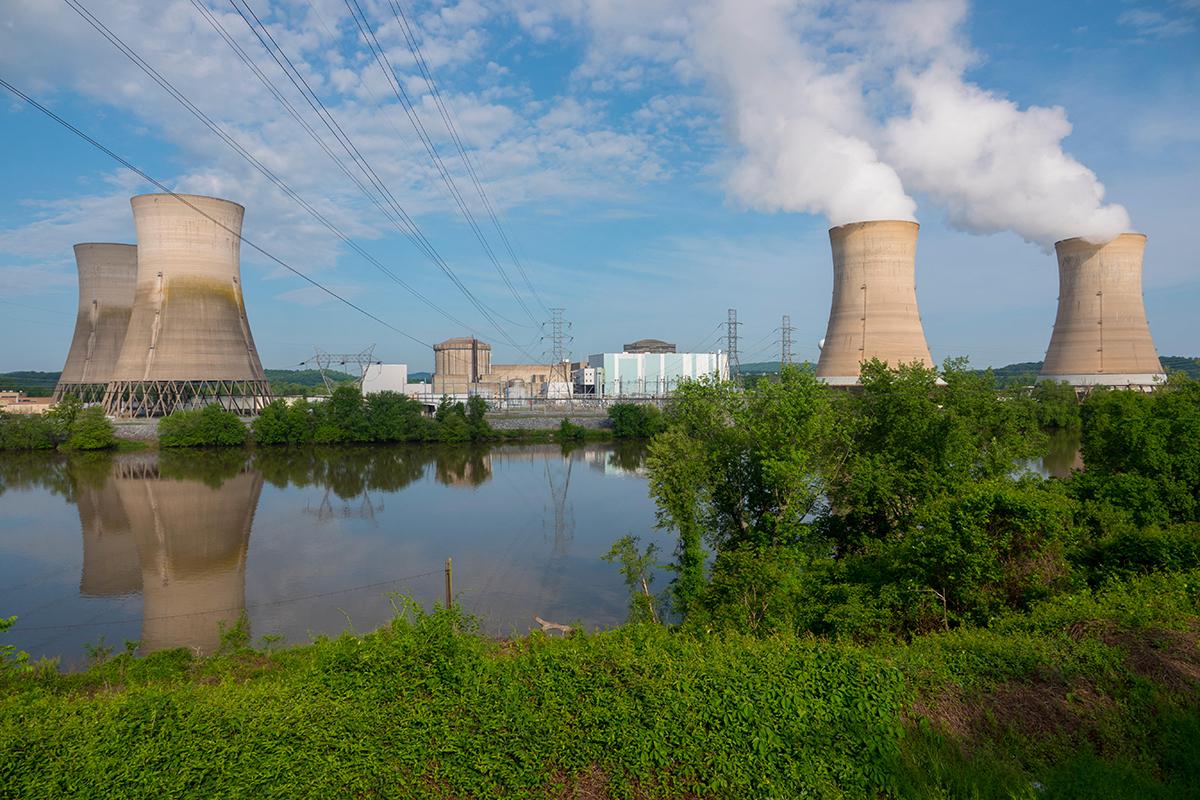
(646, 374)
(390, 378)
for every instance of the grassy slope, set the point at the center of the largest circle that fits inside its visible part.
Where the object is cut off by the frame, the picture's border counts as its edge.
(1090, 696)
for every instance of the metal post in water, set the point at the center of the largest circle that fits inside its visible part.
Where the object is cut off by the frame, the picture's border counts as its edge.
(449, 583)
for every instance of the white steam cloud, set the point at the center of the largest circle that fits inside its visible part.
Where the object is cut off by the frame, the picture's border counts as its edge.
(801, 124)
(838, 106)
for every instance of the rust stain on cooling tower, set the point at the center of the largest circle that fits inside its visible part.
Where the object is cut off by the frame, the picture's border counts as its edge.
(1101, 336)
(873, 313)
(107, 277)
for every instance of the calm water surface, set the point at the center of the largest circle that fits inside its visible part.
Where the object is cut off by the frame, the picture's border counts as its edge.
(163, 548)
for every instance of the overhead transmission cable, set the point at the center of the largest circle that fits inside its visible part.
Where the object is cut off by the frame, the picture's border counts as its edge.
(451, 126)
(252, 245)
(183, 100)
(409, 228)
(410, 110)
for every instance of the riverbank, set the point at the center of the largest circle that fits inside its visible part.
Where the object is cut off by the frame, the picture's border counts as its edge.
(1090, 695)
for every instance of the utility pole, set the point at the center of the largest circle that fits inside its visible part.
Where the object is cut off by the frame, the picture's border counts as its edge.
(785, 342)
(731, 338)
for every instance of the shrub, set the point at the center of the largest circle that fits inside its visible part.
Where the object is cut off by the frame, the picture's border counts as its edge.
(211, 426)
(635, 420)
(91, 430)
(570, 432)
(26, 432)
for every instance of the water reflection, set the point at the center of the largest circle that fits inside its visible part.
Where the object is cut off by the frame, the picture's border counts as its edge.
(304, 541)
(192, 537)
(1063, 454)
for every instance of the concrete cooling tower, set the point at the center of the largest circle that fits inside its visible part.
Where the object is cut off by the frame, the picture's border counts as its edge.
(107, 275)
(1101, 336)
(188, 342)
(874, 311)
(192, 541)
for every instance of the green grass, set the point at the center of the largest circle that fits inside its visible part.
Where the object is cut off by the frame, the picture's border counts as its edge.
(1094, 696)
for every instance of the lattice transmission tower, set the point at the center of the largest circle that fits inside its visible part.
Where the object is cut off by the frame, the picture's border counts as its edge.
(559, 339)
(326, 362)
(785, 341)
(731, 342)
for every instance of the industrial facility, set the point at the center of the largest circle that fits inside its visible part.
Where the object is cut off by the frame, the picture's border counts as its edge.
(107, 277)
(874, 311)
(162, 325)
(1101, 336)
(463, 366)
(646, 368)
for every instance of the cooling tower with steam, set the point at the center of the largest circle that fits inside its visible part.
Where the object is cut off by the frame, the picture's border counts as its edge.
(874, 311)
(107, 275)
(1101, 336)
(188, 342)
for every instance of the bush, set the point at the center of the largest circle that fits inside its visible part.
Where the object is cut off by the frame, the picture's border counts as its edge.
(635, 420)
(27, 432)
(570, 432)
(91, 430)
(211, 426)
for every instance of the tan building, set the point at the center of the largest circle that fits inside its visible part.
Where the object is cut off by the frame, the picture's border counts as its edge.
(463, 365)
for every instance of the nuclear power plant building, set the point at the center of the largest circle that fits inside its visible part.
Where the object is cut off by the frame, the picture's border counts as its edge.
(1101, 336)
(107, 276)
(188, 340)
(874, 311)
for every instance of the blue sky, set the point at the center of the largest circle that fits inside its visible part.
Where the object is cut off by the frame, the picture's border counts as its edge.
(623, 144)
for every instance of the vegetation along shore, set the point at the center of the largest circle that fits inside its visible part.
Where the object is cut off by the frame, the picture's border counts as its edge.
(872, 595)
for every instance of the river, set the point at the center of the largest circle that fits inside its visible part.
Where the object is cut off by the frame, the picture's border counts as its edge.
(165, 548)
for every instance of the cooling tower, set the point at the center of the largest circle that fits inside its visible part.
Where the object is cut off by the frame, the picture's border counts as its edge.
(188, 342)
(107, 274)
(1101, 336)
(874, 311)
(192, 541)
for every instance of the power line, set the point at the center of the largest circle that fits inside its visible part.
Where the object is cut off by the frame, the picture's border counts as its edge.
(452, 128)
(409, 227)
(145, 176)
(397, 87)
(183, 100)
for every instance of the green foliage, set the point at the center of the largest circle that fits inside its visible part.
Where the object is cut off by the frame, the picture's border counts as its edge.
(635, 420)
(570, 432)
(1087, 695)
(91, 430)
(1057, 405)
(1140, 455)
(637, 570)
(211, 426)
(27, 432)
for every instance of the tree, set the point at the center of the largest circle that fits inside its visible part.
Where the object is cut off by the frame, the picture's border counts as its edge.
(91, 430)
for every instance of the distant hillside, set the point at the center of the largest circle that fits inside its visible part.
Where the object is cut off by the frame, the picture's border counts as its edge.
(305, 377)
(34, 384)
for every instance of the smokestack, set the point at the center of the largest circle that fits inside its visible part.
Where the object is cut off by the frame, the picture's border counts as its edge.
(874, 311)
(188, 341)
(107, 275)
(1101, 336)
